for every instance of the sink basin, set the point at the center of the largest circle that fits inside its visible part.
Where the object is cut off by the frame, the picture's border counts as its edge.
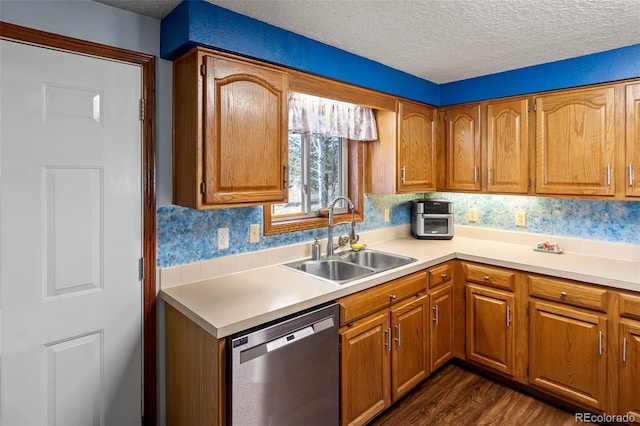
(333, 269)
(350, 266)
(376, 259)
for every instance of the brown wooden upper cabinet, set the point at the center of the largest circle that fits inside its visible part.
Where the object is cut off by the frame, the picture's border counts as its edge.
(633, 140)
(230, 139)
(402, 160)
(508, 146)
(462, 146)
(575, 139)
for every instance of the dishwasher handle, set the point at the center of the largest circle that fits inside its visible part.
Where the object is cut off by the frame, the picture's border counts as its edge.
(286, 340)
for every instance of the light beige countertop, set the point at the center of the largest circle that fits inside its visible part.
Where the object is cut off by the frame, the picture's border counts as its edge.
(234, 302)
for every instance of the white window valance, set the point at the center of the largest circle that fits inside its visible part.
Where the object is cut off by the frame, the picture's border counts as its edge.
(327, 117)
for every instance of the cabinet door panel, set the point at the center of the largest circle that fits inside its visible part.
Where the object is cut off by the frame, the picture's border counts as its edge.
(632, 163)
(508, 146)
(409, 356)
(364, 369)
(568, 353)
(441, 326)
(416, 148)
(245, 145)
(489, 328)
(630, 371)
(463, 148)
(575, 140)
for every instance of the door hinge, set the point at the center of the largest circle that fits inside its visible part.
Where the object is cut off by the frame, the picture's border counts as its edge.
(203, 69)
(535, 107)
(528, 107)
(202, 188)
(142, 105)
(141, 269)
(445, 117)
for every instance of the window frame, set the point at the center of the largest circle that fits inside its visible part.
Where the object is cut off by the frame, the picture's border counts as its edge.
(355, 178)
(306, 211)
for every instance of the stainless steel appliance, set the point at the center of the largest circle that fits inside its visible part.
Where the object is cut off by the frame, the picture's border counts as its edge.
(432, 219)
(287, 373)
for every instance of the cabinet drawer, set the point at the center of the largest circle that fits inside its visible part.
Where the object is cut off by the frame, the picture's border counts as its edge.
(568, 292)
(487, 275)
(439, 275)
(382, 296)
(630, 306)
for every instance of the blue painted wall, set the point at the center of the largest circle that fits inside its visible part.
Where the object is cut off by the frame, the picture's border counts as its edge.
(612, 65)
(196, 22)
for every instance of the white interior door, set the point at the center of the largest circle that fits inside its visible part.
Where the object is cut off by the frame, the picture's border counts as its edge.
(70, 239)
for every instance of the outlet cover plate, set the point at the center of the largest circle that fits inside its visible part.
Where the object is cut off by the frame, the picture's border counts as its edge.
(223, 238)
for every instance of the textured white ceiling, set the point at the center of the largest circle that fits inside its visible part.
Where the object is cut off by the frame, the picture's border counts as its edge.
(444, 40)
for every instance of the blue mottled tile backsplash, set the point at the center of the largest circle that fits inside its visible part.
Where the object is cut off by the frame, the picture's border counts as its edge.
(186, 235)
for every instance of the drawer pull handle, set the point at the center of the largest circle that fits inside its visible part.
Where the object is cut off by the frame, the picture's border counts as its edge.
(398, 333)
(444, 276)
(563, 294)
(508, 316)
(403, 176)
(487, 277)
(436, 319)
(624, 350)
(392, 296)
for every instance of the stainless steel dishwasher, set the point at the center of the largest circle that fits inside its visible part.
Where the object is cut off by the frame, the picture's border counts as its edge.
(287, 373)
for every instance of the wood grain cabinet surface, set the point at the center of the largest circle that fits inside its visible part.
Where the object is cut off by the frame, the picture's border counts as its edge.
(628, 364)
(385, 354)
(402, 160)
(575, 142)
(568, 352)
(632, 163)
(462, 148)
(507, 146)
(230, 142)
(490, 328)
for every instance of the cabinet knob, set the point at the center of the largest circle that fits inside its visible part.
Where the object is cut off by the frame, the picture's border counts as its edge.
(392, 296)
(563, 294)
(487, 277)
(444, 276)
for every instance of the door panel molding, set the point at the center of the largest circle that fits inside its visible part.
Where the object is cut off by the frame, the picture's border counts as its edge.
(147, 63)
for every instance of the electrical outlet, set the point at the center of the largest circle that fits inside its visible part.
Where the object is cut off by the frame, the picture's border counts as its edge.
(521, 219)
(472, 214)
(386, 215)
(223, 238)
(254, 233)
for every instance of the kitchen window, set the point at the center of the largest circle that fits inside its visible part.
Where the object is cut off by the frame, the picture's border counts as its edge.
(325, 160)
(318, 173)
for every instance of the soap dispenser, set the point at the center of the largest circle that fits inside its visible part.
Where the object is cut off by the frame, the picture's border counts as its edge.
(315, 250)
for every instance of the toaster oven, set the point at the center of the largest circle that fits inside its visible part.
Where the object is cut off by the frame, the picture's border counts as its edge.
(432, 219)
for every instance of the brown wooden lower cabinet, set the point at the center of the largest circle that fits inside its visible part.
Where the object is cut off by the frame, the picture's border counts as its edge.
(365, 387)
(568, 355)
(441, 302)
(630, 370)
(490, 329)
(383, 356)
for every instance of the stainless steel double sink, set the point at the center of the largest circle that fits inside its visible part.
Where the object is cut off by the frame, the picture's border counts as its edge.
(350, 266)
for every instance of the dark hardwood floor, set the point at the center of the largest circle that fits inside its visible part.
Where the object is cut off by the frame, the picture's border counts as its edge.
(455, 396)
